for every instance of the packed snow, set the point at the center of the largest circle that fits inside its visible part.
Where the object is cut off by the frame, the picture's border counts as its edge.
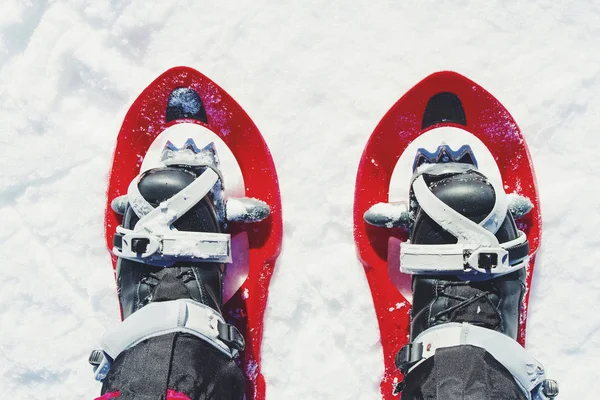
(316, 77)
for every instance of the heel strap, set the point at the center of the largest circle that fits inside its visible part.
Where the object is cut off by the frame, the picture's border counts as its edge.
(155, 319)
(526, 370)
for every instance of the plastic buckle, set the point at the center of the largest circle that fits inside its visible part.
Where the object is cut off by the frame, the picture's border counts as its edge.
(231, 336)
(488, 260)
(550, 388)
(140, 245)
(96, 357)
(136, 244)
(408, 356)
(102, 364)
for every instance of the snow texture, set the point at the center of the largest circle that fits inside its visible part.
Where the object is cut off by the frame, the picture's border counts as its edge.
(315, 77)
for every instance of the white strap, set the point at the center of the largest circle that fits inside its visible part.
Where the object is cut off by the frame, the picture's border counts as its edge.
(161, 318)
(526, 370)
(160, 219)
(167, 248)
(474, 241)
(496, 217)
(465, 230)
(138, 203)
(456, 259)
(163, 245)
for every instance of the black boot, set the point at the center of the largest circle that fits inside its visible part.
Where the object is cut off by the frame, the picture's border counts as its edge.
(155, 286)
(140, 284)
(492, 303)
(468, 263)
(463, 372)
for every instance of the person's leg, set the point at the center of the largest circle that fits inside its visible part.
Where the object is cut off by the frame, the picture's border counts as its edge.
(461, 372)
(464, 324)
(176, 362)
(173, 342)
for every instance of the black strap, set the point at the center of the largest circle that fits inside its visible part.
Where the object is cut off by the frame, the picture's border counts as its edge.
(518, 252)
(118, 240)
(408, 356)
(231, 336)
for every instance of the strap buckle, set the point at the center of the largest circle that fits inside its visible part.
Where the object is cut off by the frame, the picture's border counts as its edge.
(101, 362)
(164, 249)
(487, 260)
(231, 336)
(131, 244)
(408, 356)
(550, 388)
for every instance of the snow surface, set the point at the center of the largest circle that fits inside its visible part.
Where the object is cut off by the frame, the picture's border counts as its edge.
(316, 77)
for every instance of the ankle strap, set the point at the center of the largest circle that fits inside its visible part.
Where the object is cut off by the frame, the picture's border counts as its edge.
(160, 318)
(526, 370)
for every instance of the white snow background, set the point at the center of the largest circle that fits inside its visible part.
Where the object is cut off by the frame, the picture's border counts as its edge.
(316, 77)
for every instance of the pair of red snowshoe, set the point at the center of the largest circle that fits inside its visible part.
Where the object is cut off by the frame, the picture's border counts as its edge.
(443, 102)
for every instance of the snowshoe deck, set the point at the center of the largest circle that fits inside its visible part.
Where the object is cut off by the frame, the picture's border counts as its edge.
(442, 99)
(183, 95)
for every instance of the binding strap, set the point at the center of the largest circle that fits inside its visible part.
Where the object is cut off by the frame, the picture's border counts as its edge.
(527, 371)
(477, 250)
(153, 240)
(160, 318)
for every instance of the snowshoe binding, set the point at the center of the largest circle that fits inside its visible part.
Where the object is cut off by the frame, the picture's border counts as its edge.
(172, 250)
(194, 243)
(467, 258)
